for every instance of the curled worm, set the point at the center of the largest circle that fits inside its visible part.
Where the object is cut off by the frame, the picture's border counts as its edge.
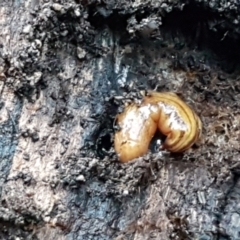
(165, 112)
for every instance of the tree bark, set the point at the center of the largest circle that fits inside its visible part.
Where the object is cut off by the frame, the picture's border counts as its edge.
(66, 70)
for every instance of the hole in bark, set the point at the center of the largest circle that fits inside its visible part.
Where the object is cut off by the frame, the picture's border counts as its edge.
(100, 16)
(194, 25)
(104, 144)
(204, 29)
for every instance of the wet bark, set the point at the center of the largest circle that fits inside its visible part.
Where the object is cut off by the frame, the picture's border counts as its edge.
(66, 70)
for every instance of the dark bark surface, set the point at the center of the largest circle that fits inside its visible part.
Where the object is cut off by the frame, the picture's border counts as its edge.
(67, 69)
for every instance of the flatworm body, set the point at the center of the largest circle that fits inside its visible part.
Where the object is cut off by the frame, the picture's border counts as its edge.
(165, 112)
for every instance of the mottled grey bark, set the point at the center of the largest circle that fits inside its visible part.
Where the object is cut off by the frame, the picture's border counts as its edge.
(66, 70)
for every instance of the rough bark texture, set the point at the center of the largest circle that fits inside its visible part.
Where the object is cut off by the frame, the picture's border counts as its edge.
(67, 69)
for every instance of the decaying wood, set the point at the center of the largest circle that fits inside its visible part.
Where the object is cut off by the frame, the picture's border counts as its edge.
(66, 70)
